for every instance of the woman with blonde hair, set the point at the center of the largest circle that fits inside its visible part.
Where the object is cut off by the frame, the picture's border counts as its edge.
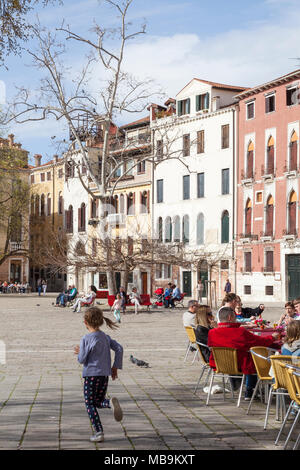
(204, 321)
(291, 346)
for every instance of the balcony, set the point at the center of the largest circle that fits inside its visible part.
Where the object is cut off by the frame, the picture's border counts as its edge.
(247, 237)
(268, 172)
(289, 235)
(247, 177)
(268, 270)
(93, 221)
(116, 219)
(290, 169)
(267, 235)
(130, 144)
(16, 246)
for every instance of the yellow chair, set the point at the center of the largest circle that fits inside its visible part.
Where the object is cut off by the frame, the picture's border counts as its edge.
(288, 371)
(278, 388)
(226, 365)
(260, 356)
(205, 365)
(191, 342)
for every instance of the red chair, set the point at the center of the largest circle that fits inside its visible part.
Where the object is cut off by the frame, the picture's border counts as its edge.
(89, 304)
(179, 302)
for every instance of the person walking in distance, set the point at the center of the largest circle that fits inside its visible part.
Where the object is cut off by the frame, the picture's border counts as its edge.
(94, 353)
(117, 308)
(44, 286)
(39, 286)
(200, 289)
(227, 288)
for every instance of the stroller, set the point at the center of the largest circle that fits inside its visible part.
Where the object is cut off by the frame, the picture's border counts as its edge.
(159, 295)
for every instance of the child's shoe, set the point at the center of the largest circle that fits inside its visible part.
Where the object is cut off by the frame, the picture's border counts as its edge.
(117, 410)
(98, 437)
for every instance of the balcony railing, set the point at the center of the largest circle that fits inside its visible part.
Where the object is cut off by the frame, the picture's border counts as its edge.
(267, 233)
(116, 219)
(290, 167)
(268, 171)
(15, 246)
(129, 144)
(247, 175)
(251, 236)
(289, 232)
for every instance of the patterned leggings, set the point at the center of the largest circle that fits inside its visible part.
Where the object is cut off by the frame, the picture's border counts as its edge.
(94, 397)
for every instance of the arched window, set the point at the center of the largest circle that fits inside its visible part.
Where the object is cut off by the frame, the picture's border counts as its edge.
(93, 208)
(122, 206)
(292, 210)
(37, 205)
(160, 229)
(80, 249)
(130, 204)
(270, 156)
(48, 204)
(43, 204)
(225, 227)
(249, 162)
(81, 218)
(115, 202)
(60, 203)
(32, 201)
(293, 151)
(200, 229)
(269, 216)
(144, 202)
(168, 230)
(248, 217)
(185, 229)
(176, 222)
(69, 220)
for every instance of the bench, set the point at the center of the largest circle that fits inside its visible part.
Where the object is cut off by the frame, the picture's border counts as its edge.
(145, 298)
(102, 294)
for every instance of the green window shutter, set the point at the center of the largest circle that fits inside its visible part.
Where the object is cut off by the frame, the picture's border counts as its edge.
(206, 101)
(179, 108)
(198, 103)
(188, 106)
(225, 228)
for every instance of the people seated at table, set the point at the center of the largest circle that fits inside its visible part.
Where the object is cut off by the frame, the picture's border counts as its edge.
(288, 315)
(4, 287)
(230, 334)
(85, 299)
(291, 346)
(229, 301)
(188, 318)
(176, 294)
(204, 321)
(66, 296)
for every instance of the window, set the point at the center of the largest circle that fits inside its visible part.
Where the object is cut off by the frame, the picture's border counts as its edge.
(131, 204)
(159, 191)
(60, 203)
(145, 202)
(225, 181)
(250, 107)
(224, 264)
(42, 204)
(269, 290)
(200, 185)
(270, 156)
(158, 271)
(48, 175)
(249, 161)
(159, 149)
(186, 187)
(160, 229)
(200, 141)
(247, 290)
(122, 204)
(185, 229)
(291, 96)
(200, 229)
(248, 217)
(259, 197)
(32, 179)
(186, 145)
(177, 229)
(48, 204)
(94, 246)
(225, 227)
(225, 136)
(202, 101)
(42, 176)
(269, 261)
(292, 208)
(93, 209)
(60, 173)
(183, 107)
(141, 167)
(81, 218)
(69, 220)
(270, 103)
(168, 230)
(269, 216)
(248, 262)
(293, 146)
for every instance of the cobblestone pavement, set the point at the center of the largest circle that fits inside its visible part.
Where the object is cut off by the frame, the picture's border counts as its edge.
(41, 399)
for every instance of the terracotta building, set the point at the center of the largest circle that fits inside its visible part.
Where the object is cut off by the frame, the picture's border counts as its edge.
(268, 245)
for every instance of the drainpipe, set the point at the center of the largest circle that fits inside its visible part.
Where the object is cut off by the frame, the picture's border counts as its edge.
(235, 139)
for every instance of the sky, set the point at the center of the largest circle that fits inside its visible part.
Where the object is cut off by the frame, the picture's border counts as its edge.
(242, 43)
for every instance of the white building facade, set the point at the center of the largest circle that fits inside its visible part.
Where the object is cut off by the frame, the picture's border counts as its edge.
(193, 185)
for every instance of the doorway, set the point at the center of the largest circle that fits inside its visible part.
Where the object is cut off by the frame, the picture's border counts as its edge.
(187, 283)
(293, 283)
(144, 282)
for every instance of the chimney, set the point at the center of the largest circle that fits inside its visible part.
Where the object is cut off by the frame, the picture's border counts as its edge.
(37, 159)
(55, 157)
(215, 103)
(11, 140)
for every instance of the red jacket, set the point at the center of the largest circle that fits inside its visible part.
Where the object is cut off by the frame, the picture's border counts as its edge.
(233, 335)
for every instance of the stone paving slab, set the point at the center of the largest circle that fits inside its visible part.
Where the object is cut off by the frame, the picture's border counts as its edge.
(41, 396)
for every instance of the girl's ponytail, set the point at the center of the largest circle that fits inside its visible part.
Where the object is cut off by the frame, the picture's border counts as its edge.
(112, 325)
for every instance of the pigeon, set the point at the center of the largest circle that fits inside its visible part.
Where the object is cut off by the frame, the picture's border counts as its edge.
(138, 362)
